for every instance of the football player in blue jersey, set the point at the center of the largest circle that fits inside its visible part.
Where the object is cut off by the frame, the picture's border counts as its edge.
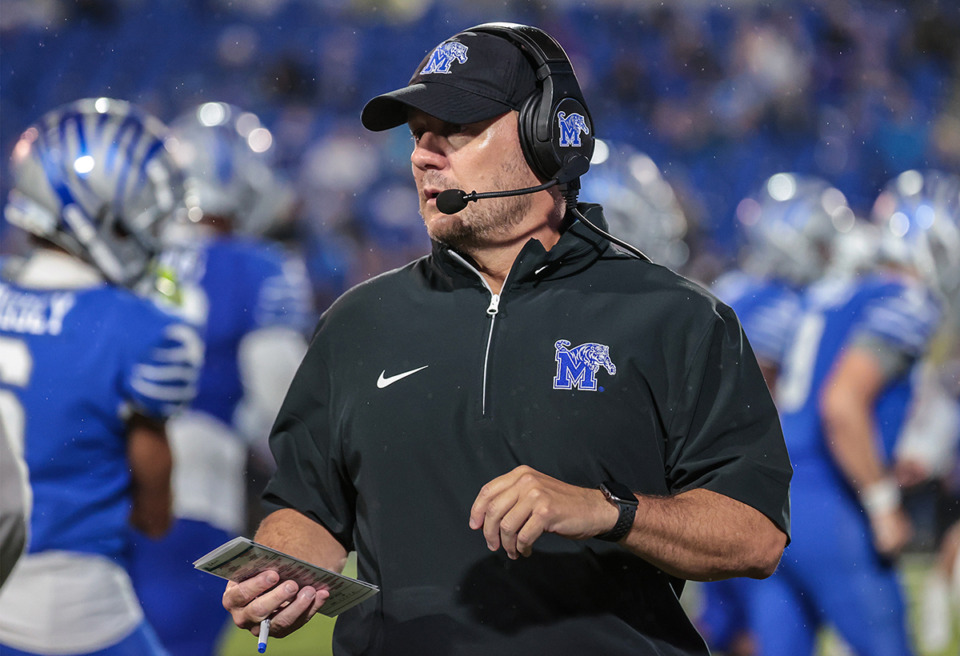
(252, 302)
(842, 395)
(90, 373)
(791, 228)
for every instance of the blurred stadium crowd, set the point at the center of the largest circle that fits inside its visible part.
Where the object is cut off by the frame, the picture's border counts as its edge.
(701, 107)
(718, 95)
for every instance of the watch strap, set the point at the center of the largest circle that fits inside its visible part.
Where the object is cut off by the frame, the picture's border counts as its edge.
(628, 511)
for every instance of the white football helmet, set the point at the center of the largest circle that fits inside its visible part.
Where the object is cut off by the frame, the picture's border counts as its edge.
(855, 252)
(791, 227)
(918, 214)
(639, 204)
(95, 178)
(227, 155)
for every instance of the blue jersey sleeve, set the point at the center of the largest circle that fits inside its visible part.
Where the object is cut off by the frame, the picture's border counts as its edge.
(767, 310)
(903, 316)
(163, 373)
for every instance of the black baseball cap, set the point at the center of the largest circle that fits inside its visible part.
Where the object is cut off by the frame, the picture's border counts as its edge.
(470, 77)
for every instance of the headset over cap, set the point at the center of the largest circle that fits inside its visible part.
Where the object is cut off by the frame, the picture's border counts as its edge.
(488, 70)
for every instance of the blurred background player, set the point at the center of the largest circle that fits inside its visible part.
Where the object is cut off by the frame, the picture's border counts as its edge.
(251, 302)
(629, 184)
(940, 614)
(926, 450)
(790, 228)
(843, 396)
(15, 502)
(926, 467)
(90, 373)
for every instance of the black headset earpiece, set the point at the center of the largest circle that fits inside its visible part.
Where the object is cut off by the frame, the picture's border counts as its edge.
(556, 130)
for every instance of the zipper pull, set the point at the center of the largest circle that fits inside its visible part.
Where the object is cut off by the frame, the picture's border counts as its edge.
(494, 305)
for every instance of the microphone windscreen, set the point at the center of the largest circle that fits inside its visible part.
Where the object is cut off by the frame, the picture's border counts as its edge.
(451, 201)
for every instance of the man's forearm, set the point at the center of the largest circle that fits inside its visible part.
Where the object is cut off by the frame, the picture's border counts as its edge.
(704, 536)
(293, 533)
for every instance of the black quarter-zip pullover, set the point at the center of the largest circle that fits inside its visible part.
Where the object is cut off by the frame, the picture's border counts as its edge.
(420, 386)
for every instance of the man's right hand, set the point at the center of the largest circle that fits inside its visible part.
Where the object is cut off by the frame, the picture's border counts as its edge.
(265, 596)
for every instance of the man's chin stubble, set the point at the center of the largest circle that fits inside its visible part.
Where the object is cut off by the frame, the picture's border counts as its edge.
(478, 227)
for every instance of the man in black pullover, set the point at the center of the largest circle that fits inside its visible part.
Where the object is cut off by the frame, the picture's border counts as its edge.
(530, 437)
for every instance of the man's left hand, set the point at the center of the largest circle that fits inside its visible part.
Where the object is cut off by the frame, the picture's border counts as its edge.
(515, 509)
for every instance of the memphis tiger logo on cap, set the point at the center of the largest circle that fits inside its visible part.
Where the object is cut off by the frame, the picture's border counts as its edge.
(443, 57)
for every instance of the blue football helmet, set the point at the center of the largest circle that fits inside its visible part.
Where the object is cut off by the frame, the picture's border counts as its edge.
(918, 214)
(639, 204)
(791, 227)
(227, 155)
(95, 178)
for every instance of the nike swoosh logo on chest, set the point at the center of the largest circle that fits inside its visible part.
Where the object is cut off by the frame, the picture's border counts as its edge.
(384, 381)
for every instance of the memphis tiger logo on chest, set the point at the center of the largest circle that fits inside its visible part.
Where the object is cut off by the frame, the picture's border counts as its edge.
(577, 367)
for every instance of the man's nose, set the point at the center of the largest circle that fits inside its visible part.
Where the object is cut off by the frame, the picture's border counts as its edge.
(428, 151)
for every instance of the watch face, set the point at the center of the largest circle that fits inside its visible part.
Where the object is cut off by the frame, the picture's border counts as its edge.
(618, 492)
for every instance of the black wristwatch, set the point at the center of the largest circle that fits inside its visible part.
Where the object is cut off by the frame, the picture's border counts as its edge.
(621, 496)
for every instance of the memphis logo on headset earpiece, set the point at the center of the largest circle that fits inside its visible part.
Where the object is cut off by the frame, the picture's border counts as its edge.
(570, 126)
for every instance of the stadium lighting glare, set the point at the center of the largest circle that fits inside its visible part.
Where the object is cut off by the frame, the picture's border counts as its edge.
(899, 224)
(84, 164)
(601, 152)
(843, 219)
(212, 113)
(247, 123)
(910, 182)
(260, 140)
(925, 216)
(782, 187)
(833, 200)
